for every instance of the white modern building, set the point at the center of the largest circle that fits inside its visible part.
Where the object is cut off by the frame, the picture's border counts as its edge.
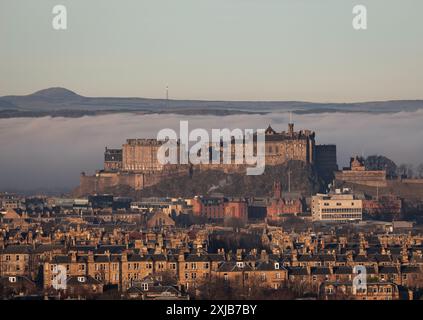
(340, 206)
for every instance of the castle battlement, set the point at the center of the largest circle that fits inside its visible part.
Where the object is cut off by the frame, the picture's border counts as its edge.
(144, 142)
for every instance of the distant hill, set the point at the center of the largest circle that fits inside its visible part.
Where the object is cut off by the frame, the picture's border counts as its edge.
(63, 102)
(7, 105)
(57, 93)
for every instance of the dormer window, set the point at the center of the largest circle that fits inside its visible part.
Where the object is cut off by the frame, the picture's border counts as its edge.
(81, 279)
(240, 264)
(12, 279)
(277, 265)
(144, 286)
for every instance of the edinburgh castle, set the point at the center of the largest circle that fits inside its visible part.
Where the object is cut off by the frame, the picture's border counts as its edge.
(136, 165)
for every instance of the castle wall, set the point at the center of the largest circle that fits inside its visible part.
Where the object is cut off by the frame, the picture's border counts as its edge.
(103, 180)
(141, 155)
(278, 152)
(368, 178)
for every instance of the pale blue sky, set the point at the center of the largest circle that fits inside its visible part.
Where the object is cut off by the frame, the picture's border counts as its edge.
(215, 49)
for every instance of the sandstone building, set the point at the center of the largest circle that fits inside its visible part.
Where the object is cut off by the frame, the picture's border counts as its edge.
(358, 174)
(338, 207)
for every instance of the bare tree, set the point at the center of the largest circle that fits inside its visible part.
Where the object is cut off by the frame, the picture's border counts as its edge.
(404, 170)
(419, 170)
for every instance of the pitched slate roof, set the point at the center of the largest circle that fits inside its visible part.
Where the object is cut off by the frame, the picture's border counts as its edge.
(61, 259)
(298, 271)
(17, 249)
(388, 269)
(343, 270)
(320, 271)
(410, 269)
(231, 266)
(75, 281)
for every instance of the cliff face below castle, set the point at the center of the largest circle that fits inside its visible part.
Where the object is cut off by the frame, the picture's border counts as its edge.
(302, 177)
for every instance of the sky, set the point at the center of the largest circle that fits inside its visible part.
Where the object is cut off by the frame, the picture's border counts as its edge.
(48, 154)
(215, 49)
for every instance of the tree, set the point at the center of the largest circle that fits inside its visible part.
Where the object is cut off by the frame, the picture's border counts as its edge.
(419, 170)
(402, 170)
(405, 170)
(410, 171)
(235, 223)
(377, 162)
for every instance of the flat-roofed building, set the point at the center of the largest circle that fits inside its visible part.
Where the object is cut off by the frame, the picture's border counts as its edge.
(340, 206)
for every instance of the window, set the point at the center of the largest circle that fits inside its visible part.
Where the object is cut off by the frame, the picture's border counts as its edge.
(277, 265)
(81, 279)
(225, 276)
(12, 279)
(145, 286)
(17, 257)
(7, 258)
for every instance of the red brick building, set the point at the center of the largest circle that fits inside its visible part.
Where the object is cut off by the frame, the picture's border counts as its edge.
(282, 204)
(383, 205)
(236, 208)
(220, 208)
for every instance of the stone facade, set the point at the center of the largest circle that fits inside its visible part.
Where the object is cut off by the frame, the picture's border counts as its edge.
(284, 146)
(358, 174)
(339, 207)
(220, 208)
(283, 204)
(112, 159)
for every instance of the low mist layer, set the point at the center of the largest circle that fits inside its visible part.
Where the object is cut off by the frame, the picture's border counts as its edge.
(48, 154)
